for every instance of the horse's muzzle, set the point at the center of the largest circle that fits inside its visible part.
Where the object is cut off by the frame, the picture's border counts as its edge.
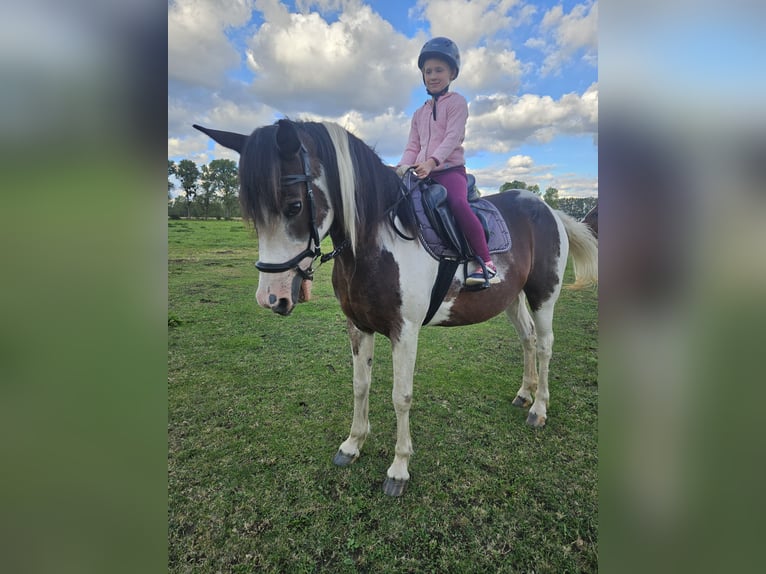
(281, 292)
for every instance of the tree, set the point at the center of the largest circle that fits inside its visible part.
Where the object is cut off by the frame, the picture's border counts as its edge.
(188, 173)
(576, 207)
(176, 207)
(208, 191)
(534, 189)
(172, 170)
(551, 197)
(515, 184)
(220, 179)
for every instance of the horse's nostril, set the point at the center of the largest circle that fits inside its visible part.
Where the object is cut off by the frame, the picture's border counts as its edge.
(272, 299)
(283, 307)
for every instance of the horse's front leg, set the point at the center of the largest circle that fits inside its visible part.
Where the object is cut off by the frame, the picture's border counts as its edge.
(362, 349)
(404, 350)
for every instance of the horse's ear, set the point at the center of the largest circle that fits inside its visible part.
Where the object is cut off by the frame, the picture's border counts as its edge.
(230, 140)
(288, 142)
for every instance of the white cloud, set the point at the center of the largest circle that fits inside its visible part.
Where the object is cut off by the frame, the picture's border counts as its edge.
(501, 122)
(552, 17)
(566, 35)
(579, 28)
(199, 53)
(466, 21)
(304, 63)
(489, 70)
(520, 162)
(225, 114)
(217, 113)
(386, 133)
(535, 43)
(189, 148)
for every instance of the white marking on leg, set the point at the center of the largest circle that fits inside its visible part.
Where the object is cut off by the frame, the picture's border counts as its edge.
(363, 347)
(544, 326)
(404, 352)
(543, 319)
(519, 316)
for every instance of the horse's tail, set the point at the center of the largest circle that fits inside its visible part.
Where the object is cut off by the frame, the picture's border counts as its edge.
(583, 247)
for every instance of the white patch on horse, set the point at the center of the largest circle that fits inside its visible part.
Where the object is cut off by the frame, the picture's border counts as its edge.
(275, 244)
(443, 313)
(416, 274)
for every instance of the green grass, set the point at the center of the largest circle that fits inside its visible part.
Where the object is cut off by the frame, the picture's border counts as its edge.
(258, 405)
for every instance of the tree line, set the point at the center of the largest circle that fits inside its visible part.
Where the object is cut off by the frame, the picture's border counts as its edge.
(577, 207)
(208, 191)
(211, 191)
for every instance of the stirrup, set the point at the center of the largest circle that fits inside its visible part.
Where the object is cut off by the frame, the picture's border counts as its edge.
(483, 276)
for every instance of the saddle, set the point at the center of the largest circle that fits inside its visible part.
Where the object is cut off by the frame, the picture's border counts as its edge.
(442, 238)
(437, 229)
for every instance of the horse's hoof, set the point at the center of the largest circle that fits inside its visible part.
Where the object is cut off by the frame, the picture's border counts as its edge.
(521, 402)
(343, 459)
(394, 486)
(535, 421)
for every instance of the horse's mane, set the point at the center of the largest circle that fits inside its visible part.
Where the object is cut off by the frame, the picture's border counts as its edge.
(361, 188)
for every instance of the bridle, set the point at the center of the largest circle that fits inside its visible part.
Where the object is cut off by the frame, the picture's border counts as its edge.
(312, 249)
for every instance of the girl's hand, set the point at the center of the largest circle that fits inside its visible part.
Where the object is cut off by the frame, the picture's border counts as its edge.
(423, 169)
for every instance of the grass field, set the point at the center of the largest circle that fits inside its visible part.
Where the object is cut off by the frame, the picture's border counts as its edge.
(258, 405)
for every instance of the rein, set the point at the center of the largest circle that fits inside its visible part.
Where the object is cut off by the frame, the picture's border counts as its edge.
(405, 193)
(312, 249)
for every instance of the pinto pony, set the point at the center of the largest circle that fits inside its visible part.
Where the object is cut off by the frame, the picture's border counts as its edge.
(303, 181)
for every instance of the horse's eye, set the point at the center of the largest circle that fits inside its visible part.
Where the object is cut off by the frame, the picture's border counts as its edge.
(293, 209)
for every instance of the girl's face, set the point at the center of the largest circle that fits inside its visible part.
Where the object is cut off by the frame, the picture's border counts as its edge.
(437, 74)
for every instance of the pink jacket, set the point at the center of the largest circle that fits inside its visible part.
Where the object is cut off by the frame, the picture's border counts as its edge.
(441, 139)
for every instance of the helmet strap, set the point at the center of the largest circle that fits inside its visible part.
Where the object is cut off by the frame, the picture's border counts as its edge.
(436, 97)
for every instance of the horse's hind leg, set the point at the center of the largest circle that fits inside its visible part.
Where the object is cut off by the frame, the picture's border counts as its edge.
(519, 316)
(362, 349)
(543, 318)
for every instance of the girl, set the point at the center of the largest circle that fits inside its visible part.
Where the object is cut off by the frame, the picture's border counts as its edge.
(435, 145)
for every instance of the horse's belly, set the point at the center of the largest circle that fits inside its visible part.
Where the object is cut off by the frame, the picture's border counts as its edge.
(462, 307)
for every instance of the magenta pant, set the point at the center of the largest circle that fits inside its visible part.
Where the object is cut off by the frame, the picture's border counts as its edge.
(456, 183)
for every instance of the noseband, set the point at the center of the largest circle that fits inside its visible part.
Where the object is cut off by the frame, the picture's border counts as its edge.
(312, 249)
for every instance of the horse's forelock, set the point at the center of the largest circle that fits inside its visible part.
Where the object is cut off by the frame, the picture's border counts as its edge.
(260, 173)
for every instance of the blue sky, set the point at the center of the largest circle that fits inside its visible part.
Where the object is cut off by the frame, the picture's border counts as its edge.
(529, 72)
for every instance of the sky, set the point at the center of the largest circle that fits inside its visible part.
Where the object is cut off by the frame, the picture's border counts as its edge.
(529, 71)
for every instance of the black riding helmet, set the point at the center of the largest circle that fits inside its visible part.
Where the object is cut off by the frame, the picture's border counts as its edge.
(442, 48)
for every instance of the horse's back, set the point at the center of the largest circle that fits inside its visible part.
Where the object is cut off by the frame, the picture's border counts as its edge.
(536, 241)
